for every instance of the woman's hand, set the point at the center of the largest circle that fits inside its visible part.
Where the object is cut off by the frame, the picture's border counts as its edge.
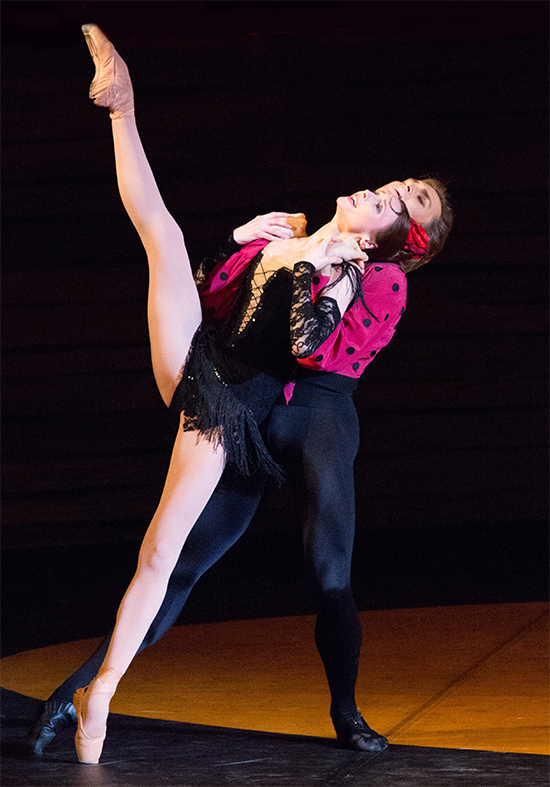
(270, 226)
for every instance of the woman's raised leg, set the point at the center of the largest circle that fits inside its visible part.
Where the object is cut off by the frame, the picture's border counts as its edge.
(174, 310)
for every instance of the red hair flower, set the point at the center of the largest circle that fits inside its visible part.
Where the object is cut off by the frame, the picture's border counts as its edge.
(417, 240)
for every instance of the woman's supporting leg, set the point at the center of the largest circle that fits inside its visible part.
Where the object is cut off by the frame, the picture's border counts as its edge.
(195, 469)
(223, 521)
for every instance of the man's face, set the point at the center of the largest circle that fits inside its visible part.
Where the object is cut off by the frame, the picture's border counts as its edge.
(421, 199)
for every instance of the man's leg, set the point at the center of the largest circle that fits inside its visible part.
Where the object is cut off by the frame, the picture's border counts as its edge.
(319, 447)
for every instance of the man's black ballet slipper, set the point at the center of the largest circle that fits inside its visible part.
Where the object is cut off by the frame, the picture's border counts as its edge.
(353, 732)
(55, 716)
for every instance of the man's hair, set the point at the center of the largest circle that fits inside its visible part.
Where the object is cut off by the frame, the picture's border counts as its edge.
(438, 229)
(391, 241)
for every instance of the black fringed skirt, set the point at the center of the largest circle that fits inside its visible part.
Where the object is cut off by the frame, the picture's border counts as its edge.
(225, 399)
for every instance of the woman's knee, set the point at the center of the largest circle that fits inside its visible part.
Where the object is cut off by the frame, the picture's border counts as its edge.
(156, 562)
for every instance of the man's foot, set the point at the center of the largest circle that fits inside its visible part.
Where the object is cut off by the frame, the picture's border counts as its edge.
(353, 732)
(56, 715)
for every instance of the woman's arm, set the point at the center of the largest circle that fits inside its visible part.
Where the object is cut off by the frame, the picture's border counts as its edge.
(312, 323)
(366, 327)
(269, 226)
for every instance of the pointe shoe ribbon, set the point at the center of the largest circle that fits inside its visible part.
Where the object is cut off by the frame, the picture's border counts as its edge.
(89, 748)
(111, 86)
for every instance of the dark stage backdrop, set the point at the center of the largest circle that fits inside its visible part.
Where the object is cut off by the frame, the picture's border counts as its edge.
(245, 108)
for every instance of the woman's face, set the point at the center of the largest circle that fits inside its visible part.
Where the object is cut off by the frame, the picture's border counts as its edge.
(365, 214)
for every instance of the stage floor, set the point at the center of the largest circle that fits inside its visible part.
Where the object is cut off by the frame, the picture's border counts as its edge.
(155, 753)
(461, 692)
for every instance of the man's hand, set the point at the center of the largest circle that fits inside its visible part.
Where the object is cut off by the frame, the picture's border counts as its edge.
(348, 249)
(269, 226)
(319, 252)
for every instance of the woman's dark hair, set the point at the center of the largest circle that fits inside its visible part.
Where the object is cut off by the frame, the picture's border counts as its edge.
(390, 242)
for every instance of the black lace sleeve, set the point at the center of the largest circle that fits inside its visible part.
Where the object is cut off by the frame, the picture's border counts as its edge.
(310, 324)
(227, 248)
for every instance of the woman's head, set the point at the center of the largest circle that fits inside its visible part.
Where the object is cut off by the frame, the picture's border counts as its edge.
(367, 216)
(378, 222)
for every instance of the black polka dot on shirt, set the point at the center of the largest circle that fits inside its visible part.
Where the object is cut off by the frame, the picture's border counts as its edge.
(395, 287)
(315, 280)
(318, 358)
(373, 353)
(350, 350)
(355, 366)
(366, 323)
(224, 276)
(378, 268)
(386, 317)
(402, 310)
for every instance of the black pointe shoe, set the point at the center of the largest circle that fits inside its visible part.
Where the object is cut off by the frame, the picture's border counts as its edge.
(353, 732)
(56, 716)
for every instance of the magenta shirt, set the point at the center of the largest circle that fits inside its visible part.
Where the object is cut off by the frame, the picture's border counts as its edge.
(358, 337)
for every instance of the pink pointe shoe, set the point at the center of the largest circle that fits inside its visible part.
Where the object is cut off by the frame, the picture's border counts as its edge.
(98, 695)
(111, 86)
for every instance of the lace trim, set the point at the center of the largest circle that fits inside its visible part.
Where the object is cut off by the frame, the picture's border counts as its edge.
(310, 324)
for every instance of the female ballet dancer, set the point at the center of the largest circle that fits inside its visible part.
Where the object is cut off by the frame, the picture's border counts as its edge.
(216, 373)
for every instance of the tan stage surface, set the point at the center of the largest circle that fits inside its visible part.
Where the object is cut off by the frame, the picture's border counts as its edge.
(468, 677)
